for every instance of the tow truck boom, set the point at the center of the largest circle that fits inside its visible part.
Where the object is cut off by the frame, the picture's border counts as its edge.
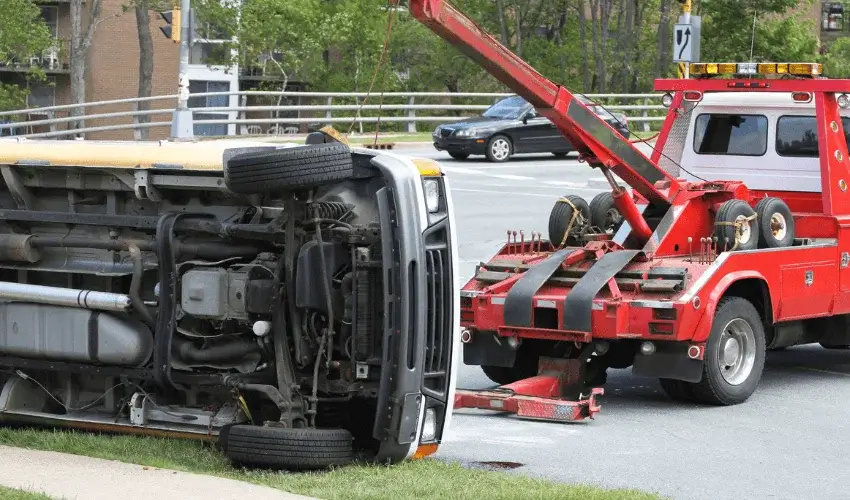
(600, 145)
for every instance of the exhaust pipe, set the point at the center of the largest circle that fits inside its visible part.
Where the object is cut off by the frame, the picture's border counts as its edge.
(69, 297)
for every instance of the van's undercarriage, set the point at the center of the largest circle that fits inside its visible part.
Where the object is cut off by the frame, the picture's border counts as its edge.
(195, 304)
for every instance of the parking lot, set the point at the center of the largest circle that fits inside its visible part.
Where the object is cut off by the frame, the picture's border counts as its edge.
(782, 444)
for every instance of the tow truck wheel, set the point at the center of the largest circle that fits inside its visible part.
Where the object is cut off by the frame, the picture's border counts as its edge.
(734, 355)
(604, 213)
(736, 221)
(561, 217)
(677, 390)
(776, 223)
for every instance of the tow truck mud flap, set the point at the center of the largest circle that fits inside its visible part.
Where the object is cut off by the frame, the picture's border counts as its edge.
(520, 299)
(579, 302)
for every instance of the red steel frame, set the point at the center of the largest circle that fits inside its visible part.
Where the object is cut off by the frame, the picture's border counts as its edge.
(783, 273)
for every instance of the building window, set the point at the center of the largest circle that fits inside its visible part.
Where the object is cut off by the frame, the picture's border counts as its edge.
(722, 134)
(832, 16)
(218, 101)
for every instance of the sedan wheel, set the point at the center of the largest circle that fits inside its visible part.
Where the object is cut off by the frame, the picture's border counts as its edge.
(499, 149)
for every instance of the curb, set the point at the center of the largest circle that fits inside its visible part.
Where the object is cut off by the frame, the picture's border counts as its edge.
(68, 476)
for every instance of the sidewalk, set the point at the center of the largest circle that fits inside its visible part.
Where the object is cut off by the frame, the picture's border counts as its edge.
(74, 477)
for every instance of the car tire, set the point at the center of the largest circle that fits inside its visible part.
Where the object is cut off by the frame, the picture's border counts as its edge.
(288, 169)
(736, 212)
(459, 156)
(737, 380)
(776, 223)
(604, 213)
(499, 149)
(560, 217)
(287, 448)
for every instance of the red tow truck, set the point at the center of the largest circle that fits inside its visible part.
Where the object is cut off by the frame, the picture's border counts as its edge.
(733, 240)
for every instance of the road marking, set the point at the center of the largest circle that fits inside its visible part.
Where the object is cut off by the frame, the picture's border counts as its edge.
(567, 184)
(511, 177)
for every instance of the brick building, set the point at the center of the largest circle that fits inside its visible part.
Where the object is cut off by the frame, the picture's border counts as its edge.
(113, 71)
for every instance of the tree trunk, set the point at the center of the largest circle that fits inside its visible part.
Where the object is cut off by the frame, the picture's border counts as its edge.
(143, 24)
(81, 40)
(503, 27)
(663, 47)
(585, 60)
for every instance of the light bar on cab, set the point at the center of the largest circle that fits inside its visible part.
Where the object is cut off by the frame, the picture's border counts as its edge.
(750, 69)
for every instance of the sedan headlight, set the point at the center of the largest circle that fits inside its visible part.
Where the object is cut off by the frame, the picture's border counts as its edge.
(429, 427)
(432, 194)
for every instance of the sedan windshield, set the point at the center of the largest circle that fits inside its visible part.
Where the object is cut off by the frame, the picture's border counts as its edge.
(510, 108)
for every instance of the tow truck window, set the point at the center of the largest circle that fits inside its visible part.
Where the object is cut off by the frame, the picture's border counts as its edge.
(725, 134)
(797, 136)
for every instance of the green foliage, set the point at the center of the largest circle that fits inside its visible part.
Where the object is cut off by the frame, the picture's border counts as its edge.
(23, 34)
(727, 33)
(336, 45)
(837, 60)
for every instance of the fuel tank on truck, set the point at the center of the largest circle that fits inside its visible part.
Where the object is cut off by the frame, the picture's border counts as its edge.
(72, 334)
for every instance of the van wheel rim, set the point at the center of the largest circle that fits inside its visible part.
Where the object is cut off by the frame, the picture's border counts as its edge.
(778, 226)
(737, 352)
(500, 149)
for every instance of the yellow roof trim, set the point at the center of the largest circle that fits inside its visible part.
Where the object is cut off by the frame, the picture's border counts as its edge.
(200, 155)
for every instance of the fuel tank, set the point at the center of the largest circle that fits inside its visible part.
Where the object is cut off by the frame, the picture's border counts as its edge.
(57, 333)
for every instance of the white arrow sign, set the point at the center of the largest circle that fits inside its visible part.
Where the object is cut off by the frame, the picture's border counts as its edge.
(686, 41)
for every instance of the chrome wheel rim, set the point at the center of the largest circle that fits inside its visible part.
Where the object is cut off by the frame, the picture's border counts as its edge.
(500, 149)
(736, 354)
(778, 226)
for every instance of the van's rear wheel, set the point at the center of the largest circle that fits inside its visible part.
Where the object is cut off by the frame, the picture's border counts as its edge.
(286, 448)
(734, 355)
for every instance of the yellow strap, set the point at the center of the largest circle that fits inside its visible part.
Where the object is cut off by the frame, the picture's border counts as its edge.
(738, 231)
(575, 215)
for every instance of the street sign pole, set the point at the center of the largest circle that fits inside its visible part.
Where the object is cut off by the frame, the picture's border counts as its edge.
(686, 19)
(181, 121)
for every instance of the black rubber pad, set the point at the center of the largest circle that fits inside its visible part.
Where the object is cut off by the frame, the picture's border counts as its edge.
(579, 302)
(520, 299)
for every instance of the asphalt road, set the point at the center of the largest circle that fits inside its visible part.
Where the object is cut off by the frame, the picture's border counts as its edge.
(784, 443)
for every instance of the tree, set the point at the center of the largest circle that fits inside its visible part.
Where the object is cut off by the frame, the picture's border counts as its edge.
(142, 9)
(82, 34)
(23, 34)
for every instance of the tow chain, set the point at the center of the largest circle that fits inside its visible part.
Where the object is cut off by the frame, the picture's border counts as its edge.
(575, 215)
(738, 224)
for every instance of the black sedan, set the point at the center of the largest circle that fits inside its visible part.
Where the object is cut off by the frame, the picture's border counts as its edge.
(512, 126)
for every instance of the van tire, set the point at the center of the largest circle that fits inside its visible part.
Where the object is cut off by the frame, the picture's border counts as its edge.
(560, 216)
(288, 169)
(287, 448)
(731, 212)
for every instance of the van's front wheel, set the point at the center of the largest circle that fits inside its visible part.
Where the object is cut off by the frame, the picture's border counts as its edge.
(734, 355)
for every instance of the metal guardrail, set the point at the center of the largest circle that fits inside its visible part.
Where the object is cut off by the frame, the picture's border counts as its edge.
(248, 119)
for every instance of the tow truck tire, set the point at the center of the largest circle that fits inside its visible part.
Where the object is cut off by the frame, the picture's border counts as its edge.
(737, 343)
(287, 448)
(776, 223)
(560, 216)
(604, 213)
(731, 212)
(288, 169)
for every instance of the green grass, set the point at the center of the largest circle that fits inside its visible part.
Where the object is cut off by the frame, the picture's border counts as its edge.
(423, 479)
(15, 494)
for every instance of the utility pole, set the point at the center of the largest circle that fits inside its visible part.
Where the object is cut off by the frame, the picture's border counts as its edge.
(182, 126)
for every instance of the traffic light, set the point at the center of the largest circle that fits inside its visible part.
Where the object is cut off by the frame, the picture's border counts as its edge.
(172, 17)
